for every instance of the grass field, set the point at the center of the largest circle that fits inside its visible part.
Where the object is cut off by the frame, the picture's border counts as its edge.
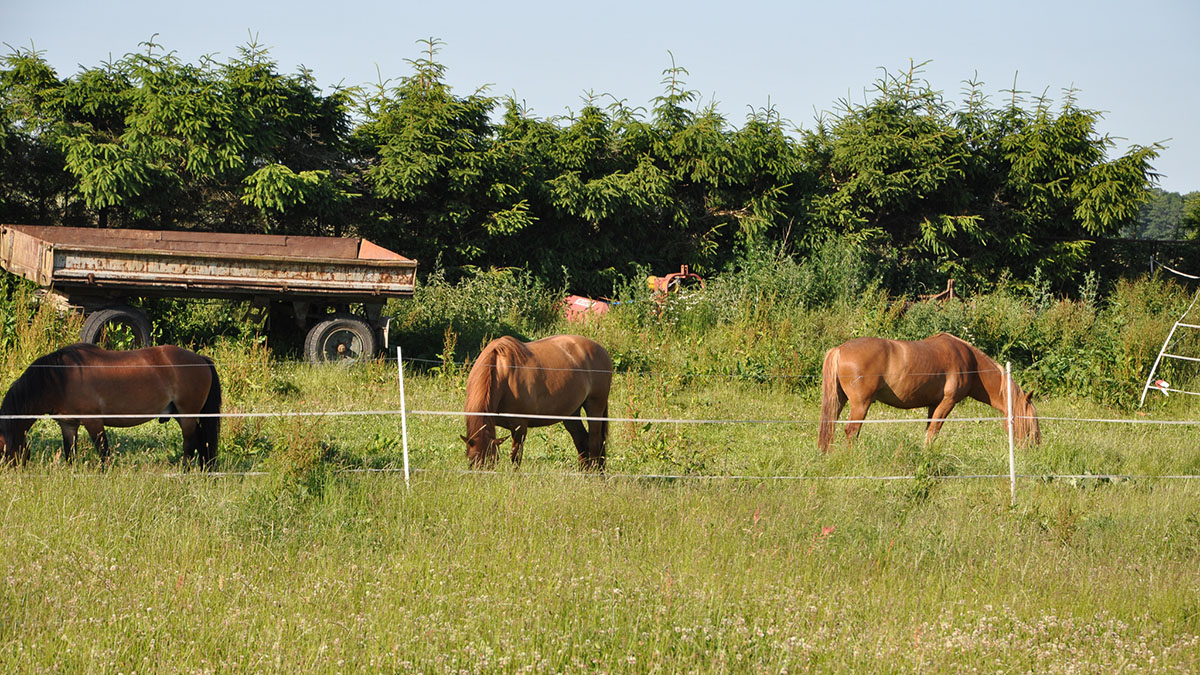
(307, 566)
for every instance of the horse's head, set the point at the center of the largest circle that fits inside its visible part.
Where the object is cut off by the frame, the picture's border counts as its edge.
(1025, 422)
(13, 444)
(482, 444)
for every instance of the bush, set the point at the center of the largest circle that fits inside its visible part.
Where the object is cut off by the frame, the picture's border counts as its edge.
(29, 328)
(476, 309)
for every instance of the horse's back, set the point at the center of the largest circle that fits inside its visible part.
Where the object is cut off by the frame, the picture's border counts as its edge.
(553, 375)
(572, 352)
(941, 351)
(865, 356)
(87, 353)
(571, 362)
(135, 380)
(906, 373)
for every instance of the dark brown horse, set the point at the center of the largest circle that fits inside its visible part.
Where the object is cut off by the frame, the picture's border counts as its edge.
(934, 373)
(556, 376)
(132, 387)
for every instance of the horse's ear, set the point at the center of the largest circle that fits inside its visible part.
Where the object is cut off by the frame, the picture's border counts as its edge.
(500, 441)
(464, 438)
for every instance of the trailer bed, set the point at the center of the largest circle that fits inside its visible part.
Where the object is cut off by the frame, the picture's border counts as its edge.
(85, 262)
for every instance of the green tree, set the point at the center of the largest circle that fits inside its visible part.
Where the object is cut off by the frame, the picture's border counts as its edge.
(894, 175)
(1190, 226)
(1161, 217)
(431, 168)
(150, 141)
(32, 177)
(975, 192)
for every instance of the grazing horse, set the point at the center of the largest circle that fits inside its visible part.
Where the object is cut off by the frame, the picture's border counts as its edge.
(556, 376)
(132, 386)
(934, 373)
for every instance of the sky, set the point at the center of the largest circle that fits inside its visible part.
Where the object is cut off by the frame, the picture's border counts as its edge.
(1136, 63)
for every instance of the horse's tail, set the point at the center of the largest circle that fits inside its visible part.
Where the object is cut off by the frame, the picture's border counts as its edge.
(210, 427)
(832, 399)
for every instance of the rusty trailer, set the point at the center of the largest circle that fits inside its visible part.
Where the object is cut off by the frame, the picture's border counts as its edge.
(318, 280)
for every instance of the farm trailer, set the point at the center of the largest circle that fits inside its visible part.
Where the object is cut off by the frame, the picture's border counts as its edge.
(319, 279)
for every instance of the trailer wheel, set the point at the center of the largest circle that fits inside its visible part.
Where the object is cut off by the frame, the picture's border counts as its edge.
(118, 327)
(342, 339)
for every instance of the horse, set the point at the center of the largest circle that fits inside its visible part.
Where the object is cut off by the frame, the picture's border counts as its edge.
(935, 373)
(556, 376)
(82, 384)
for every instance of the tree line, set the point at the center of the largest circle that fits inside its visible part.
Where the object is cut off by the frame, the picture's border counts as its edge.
(1167, 216)
(929, 188)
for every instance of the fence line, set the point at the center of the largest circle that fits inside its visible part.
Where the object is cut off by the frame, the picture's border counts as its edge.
(1109, 477)
(641, 420)
(1011, 476)
(465, 364)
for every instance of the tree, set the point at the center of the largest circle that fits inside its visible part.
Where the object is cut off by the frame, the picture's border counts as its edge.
(430, 167)
(1190, 225)
(32, 179)
(975, 192)
(894, 174)
(1161, 217)
(150, 141)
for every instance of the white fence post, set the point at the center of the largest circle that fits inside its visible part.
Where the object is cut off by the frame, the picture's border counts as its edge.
(1012, 457)
(403, 414)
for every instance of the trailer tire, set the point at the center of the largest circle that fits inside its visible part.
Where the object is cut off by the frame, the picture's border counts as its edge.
(97, 324)
(342, 339)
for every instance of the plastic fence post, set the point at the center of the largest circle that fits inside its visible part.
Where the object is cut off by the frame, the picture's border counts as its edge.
(403, 414)
(1012, 457)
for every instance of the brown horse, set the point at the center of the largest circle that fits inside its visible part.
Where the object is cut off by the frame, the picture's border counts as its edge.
(133, 387)
(556, 376)
(934, 373)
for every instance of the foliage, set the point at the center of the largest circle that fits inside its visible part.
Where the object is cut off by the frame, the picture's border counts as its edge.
(1161, 217)
(976, 192)
(452, 320)
(1190, 227)
(150, 141)
(932, 190)
(29, 328)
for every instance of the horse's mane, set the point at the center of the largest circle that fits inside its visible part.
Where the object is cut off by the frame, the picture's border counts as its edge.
(483, 376)
(46, 373)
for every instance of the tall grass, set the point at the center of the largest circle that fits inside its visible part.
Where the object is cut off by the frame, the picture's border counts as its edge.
(130, 571)
(310, 563)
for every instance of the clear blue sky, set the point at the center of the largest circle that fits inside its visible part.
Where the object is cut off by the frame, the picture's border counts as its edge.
(1138, 63)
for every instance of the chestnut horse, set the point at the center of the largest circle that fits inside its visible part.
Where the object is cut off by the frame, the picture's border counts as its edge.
(556, 376)
(934, 373)
(133, 386)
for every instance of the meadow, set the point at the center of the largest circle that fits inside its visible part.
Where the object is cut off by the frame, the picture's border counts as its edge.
(705, 547)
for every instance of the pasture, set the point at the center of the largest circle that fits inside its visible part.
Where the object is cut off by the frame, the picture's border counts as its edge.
(730, 546)
(306, 565)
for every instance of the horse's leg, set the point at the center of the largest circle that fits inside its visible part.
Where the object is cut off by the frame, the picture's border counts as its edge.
(69, 434)
(858, 413)
(597, 431)
(99, 438)
(579, 436)
(518, 443)
(191, 438)
(937, 416)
